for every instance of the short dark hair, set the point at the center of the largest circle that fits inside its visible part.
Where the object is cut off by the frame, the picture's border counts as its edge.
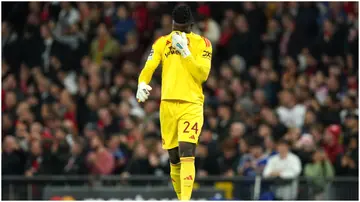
(255, 141)
(283, 142)
(182, 14)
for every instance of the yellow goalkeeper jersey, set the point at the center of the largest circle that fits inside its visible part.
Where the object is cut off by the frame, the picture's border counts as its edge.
(182, 78)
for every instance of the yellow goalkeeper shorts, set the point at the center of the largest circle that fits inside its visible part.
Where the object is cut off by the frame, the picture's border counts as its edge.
(180, 122)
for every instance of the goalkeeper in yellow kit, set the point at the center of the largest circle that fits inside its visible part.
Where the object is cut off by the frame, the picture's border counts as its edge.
(186, 62)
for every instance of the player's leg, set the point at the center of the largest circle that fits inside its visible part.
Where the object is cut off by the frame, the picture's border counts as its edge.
(170, 142)
(175, 168)
(189, 129)
(187, 171)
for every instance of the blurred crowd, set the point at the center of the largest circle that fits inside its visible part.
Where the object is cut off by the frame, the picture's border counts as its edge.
(281, 71)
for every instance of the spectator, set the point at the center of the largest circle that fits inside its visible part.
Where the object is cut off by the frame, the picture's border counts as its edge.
(90, 131)
(279, 129)
(271, 38)
(92, 105)
(99, 161)
(228, 158)
(285, 165)
(265, 131)
(55, 153)
(237, 130)
(10, 41)
(74, 37)
(255, 16)
(351, 128)
(331, 143)
(205, 154)
(108, 123)
(269, 145)
(207, 26)
(141, 164)
(50, 48)
(254, 163)
(204, 164)
(243, 147)
(347, 163)
(243, 42)
(123, 24)
(227, 30)
(22, 136)
(34, 161)
(104, 45)
(320, 170)
(163, 157)
(330, 113)
(68, 16)
(292, 136)
(109, 11)
(349, 107)
(8, 124)
(119, 155)
(76, 164)
(131, 51)
(306, 12)
(330, 37)
(290, 113)
(67, 107)
(224, 121)
(292, 40)
(304, 148)
(166, 26)
(310, 119)
(10, 102)
(12, 157)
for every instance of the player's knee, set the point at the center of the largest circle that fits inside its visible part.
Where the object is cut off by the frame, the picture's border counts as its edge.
(187, 149)
(174, 155)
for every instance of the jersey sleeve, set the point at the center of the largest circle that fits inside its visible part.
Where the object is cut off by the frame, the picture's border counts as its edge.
(152, 62)
(199, 63)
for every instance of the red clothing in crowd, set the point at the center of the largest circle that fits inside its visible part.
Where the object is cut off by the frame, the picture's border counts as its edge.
(334, 148)
(204, 10)
(349, 7)
(104, 163)
(225, 37)
(71, 116)
(140, 16)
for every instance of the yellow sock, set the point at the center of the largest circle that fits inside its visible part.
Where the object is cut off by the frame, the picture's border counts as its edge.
(187, 176)
(175, 178)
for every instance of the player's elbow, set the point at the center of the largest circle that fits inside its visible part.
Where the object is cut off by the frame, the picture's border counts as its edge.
(204, 78)
(205, 75)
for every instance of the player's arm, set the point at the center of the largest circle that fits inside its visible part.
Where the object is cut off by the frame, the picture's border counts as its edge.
(151, 64)
(199, 65)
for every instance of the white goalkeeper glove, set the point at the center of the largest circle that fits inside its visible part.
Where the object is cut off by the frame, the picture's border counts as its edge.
(143, 92)
(179, 42)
